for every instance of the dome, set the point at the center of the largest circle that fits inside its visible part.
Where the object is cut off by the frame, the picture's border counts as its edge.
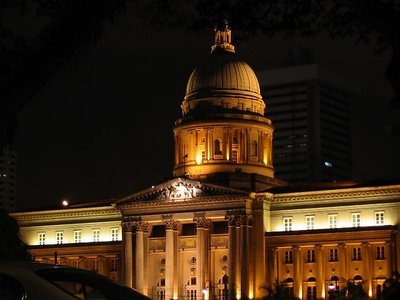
(223, 83)
(223, 75)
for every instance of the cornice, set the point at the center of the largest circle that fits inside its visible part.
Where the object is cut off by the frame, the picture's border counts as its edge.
(67, 215)
(195, 204)
(337, 197)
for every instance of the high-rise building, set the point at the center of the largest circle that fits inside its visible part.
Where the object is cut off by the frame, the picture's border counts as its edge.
(310, 108)
(7, 179)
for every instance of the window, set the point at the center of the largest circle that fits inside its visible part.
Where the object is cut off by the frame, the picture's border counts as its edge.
(287, 223)
(254, 148)
(379, 290)
(160, 289)
(234, 155)
(114, 234)
(332, 221)
(59, 237)
(311, 289)
(42, 238)
(222, 293)
(357, 253)
(217, 147)
(333, 254)
(311, 255)
(77, 236)
(96, 235)
(114, 264)
(288, 258)
(379, 218)
(311, 293)
(191, 289)
(380, 252)
(356, 219)
(310, 222)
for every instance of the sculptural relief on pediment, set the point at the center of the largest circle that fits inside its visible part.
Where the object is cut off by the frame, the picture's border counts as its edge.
(179, 191)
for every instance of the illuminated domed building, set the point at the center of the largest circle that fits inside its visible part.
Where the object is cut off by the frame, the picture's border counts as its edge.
(224, 227)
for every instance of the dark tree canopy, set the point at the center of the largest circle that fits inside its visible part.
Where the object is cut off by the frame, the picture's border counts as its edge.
(12, 248)
(69, 25)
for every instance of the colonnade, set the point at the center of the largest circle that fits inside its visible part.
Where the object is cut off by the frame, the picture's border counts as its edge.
(241, 261)
(346, 267)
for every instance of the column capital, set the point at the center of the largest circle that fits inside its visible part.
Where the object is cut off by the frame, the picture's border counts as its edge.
(128, 226)
(365, 244)
(141, 226)
(231, 220)
(202, 222)
(171, 224)
(243, 220)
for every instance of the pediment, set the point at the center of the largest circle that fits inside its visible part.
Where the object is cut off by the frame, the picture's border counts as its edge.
(180, 189)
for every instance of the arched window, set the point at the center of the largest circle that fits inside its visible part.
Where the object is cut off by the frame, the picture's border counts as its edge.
(311, 289)
(222, 288)
(191, 288)
(358, 280)
(289, 286)
(217, 147)
(160, 289)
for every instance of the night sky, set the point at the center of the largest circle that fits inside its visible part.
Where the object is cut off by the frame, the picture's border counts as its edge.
(102, 126)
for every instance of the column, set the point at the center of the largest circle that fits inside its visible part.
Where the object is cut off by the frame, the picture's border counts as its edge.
(102, 265)
(232, 256)
(243, 221)
(82, 263)
(177, 147)
(320, 272)
(298, 276)
(389, 247)
(202, 250)
(170, 255)
(140, 254)
(128, 253)
(145, 261)
(367, 266)
(270, 150)
(257, 247)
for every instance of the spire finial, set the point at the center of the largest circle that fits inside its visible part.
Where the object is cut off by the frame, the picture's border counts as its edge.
(223, 38)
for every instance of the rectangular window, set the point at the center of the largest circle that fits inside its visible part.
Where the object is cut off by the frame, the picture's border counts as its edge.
(357, 253)
(310, 255)
(114, 234)
(287, 223)
(311, 293)
(332, 221)
(96, 235)
(333, 254)
(114, 264)
(288, 258)
(310, 222)
(77, 236)
(379, 218)
(356, 219)
(234, 155)
(42, 238)
(59, 237)
(380, 252)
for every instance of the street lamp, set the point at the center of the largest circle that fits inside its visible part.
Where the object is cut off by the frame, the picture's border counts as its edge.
(333, 288)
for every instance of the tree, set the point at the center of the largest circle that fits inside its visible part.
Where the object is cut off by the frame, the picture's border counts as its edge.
(392, 288)
(12, 248)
